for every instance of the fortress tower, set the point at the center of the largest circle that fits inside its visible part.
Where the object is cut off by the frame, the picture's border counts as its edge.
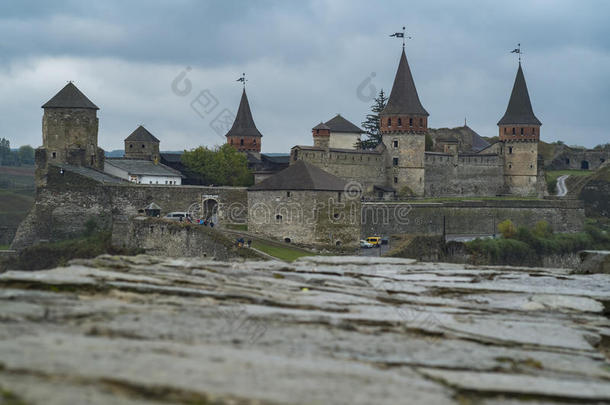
(519, 133)
(244, 135)
(69, 133)
(404, 125)
(141, 144)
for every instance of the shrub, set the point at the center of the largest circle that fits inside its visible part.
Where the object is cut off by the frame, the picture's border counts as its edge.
(542, 229)
(507, 229)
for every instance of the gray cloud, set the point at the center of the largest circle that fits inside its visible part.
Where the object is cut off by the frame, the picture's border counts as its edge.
(304, 62)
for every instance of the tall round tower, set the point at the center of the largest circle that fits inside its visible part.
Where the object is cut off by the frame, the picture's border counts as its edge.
(404, 125)
(519, 133)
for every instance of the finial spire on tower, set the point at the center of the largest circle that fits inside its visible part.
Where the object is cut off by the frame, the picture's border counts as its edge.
(401, 35)
(243, 80)
(517, 50)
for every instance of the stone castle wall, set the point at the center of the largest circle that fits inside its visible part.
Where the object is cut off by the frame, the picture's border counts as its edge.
(174, 239)
(468, 217)
(463, 175)
(69, 200)
(364, 167)
(575, 159)
(305, 217)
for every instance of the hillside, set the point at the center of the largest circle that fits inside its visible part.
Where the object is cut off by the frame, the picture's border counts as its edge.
(16, 199)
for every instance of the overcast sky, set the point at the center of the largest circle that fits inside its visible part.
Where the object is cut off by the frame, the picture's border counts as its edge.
(305, 61)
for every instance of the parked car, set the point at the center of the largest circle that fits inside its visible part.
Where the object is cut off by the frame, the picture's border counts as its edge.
(374, 240)
(176, 216)
(365, 245)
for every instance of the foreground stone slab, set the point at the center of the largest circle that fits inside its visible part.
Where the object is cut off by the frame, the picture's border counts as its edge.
(144, 329)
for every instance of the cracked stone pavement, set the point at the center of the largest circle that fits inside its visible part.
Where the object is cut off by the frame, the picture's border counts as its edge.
(340, 330)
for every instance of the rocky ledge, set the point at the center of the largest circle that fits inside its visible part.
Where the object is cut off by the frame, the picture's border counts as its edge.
(143, 329)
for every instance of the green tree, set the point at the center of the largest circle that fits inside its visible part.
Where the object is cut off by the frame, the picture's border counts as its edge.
(507, 229)
(371, 124)
(26, 155)
(221, 166)
(5, 151)
(429, 143)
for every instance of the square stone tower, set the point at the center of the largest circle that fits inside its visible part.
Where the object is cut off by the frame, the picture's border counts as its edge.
(404, 125)
(141, 144)
(69, 133)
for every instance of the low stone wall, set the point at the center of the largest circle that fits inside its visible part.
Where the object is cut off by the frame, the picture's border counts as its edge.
(174, 239)
(468, 217)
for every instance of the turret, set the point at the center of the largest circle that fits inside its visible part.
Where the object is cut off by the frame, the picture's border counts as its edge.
(141, 144)
(519, 131)
(321, 135)
(404, 125)
(244, 135)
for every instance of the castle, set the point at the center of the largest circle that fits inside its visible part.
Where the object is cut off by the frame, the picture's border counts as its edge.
(400, 166)
(306, 196)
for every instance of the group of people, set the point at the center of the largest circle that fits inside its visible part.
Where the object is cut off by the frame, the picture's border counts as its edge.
(239, 242)
(199, 221)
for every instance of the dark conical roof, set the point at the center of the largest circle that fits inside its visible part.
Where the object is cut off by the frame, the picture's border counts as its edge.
(244, 123)
(70, 97)
(404, 98)
(301, 176)
(142, 134)
(519, 110)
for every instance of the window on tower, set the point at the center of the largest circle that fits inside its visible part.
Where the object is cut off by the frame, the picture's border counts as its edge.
(241, 142)
(513, 131)
(254, 141)
(421, 122)
(510, 150)
(521, 131)
(389, 122)
(395, 142)
(410, 122)
(400, 122)
(395, 162)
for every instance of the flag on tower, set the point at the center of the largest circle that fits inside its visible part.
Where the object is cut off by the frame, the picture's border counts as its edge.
(398, 35)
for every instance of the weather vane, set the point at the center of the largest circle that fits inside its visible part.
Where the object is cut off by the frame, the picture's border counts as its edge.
(517, 50)
(401, 35)
(242, 79)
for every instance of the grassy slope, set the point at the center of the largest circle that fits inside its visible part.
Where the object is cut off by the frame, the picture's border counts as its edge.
(283, 253)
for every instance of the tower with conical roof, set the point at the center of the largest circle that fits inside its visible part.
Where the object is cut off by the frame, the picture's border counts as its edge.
(404, 125)
(69, 132)
(519, 133)
(244, 135)
(141, 144)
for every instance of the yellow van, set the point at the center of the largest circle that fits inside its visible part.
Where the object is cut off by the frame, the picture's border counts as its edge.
(374, 240)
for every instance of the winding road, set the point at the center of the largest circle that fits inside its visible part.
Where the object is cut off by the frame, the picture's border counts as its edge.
(562, 190)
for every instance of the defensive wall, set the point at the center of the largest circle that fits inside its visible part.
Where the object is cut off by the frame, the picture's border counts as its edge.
(174, 239)
(468, 217)
(368, 168)
(70, 199)
(463, 175)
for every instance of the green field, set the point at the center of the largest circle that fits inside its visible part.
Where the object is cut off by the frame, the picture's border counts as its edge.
(17, 177)
(457, 199)
(552, 175)
(283, 253)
